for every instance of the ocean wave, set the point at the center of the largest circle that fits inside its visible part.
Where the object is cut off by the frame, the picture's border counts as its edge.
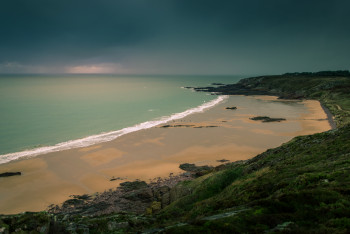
(108, 136)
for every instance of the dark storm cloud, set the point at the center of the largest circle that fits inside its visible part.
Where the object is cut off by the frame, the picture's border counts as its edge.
(73, 28)
(174, 36)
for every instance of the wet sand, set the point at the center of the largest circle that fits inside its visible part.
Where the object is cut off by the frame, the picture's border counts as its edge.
(201, 138)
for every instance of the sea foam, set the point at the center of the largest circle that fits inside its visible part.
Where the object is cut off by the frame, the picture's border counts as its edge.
(108, 136)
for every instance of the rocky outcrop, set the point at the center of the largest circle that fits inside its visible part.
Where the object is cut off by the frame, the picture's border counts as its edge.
(135, 185)
(131, 196)
(28, 222)
(196, 171)
(266, 119)
(234, 89)
(134, 196)
(162, 194)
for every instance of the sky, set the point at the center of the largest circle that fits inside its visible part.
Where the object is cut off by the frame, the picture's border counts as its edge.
(234, 37)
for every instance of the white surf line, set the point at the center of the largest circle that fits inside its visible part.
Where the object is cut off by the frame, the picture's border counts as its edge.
(109, 136)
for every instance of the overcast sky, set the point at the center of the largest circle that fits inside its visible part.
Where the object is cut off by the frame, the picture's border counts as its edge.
(174, 36)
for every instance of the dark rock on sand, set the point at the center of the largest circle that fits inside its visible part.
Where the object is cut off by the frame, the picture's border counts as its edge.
(116, 178)
(223, 160)
(196, 170)
(73, 202)
(266, 119)
(7, 174)
(193, 168)
(82, 197)
(177, 126)
(187, 126)
(209, 126)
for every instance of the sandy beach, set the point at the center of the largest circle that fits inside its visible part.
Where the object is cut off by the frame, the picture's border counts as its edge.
(201, 138)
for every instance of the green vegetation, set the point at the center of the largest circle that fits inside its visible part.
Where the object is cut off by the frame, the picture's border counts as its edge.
(332, 91)
(302, 186)
(304, 183)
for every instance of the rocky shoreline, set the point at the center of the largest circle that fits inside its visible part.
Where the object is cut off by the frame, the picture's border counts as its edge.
(136, 197)
(319, 86)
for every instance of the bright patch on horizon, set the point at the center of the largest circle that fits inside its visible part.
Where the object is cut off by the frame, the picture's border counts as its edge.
(97, 68)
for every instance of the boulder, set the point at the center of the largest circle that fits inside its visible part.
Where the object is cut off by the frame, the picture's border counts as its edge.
(144, 195)
(196, 171)
(162, 194)
(129, 186)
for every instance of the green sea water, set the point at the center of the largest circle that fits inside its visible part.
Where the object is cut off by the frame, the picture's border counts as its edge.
(38, 111)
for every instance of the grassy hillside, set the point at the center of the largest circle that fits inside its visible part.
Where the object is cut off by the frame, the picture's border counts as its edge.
(302, 186)
(304, 183)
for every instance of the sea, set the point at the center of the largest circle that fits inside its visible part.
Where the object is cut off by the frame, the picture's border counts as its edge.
(48, 113)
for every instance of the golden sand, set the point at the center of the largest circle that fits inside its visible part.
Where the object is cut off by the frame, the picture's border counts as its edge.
(158, 151)
(102, 156)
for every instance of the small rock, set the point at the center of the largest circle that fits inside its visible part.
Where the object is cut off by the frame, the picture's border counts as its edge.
(7, 174)
(223, 160)
(116, 178)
